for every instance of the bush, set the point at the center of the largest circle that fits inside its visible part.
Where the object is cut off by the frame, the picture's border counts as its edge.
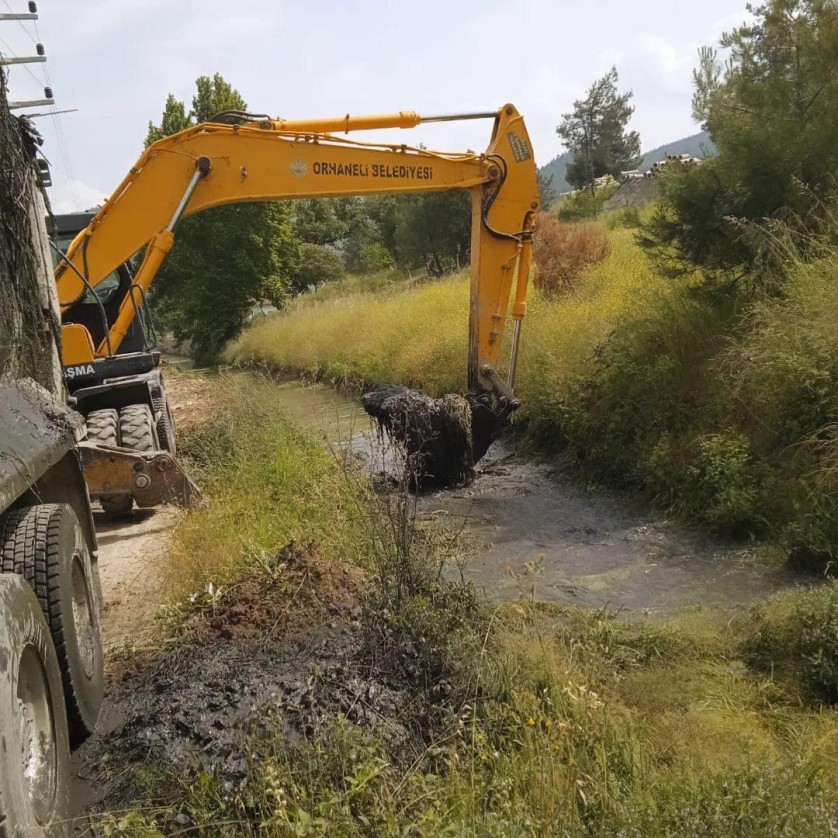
(562, 251)
(317, 264)
(795, 635)
(584, 204)
(374, 258)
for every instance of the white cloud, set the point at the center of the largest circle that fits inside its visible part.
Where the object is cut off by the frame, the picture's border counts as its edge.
(671, 63)
(74, 196)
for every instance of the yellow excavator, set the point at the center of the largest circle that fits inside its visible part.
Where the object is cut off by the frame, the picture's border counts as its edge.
(111, 369)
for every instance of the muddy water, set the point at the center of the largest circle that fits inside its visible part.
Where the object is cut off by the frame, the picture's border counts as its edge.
(534, 530)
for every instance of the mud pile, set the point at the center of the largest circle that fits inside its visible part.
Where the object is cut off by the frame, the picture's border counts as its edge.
(282, 653)
(435, 434)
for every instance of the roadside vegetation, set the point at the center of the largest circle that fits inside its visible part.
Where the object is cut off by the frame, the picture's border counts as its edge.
(521, 719)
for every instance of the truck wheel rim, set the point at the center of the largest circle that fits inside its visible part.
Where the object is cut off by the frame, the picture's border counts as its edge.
(82, 619)
(37, 741)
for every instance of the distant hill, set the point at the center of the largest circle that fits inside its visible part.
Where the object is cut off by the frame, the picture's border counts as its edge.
(698, 145)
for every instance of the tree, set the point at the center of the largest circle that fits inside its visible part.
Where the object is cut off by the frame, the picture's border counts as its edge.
(546, 190)
(770, 109)
(225, 258)
(326, 220)
(595, 133)
(317, 264)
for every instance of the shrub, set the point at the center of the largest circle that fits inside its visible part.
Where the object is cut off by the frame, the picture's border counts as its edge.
(578, 206)
(795, 635)
(562, 251)
(374, 257)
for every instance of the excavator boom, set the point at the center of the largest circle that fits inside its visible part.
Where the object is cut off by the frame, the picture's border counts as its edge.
(240, 158)
(261, 160)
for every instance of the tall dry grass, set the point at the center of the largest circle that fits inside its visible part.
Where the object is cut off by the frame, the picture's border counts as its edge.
(419, 337)
(561, 252)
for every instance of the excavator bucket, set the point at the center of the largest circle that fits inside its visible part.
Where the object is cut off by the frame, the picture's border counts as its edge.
(443, 438)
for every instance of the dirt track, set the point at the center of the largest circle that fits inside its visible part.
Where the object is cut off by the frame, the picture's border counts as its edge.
(132, 555)
(133, 550)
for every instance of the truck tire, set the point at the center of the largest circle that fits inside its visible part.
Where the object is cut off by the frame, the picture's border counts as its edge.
(136, 428)
(35, 755)
(103, 427)
(46, 546)
(165, 425)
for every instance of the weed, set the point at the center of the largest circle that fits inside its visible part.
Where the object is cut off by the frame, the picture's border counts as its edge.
(562, 251)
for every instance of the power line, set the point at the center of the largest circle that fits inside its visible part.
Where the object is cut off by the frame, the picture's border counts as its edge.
(58, 127)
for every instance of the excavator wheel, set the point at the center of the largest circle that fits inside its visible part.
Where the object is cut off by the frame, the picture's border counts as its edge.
(34, 757)
(165, 424)
(103, 427)
(136, 428)
(44, 544)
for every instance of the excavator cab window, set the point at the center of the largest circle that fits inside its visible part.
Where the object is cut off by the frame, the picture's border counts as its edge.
(105, 290)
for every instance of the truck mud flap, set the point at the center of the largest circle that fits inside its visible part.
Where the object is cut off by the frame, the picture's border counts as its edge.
(151, 477)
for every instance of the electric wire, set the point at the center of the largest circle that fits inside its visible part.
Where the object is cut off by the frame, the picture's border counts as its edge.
(57, 124)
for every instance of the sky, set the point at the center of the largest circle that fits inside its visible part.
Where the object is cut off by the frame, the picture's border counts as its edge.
(115, 61)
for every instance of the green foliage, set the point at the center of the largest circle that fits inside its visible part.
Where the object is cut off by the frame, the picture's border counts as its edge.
(770, 110)
(270, 484)
(317, 264)
(326, 220)
(595, 132)
(373, 258)
(583, 204)
(225, 258)
(431, 230)
(794, 635)
(726, 480)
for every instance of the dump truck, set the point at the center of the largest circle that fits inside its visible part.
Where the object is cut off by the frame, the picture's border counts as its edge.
(51, 661)
(111, 367)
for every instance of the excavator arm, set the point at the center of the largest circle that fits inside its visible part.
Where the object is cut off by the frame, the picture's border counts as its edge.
(255, 159)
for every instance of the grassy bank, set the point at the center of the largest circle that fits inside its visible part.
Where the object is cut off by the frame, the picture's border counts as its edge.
(418, 336)
(521, 720)
(267, 483)
(720, 407)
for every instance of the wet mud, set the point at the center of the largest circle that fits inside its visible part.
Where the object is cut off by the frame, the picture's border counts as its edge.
(534, 530)
(281, 655)
(435, 434)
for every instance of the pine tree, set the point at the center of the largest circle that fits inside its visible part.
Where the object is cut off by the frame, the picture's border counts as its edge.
(595, 133)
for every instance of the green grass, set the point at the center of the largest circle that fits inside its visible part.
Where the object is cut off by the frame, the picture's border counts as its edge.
(266, 483)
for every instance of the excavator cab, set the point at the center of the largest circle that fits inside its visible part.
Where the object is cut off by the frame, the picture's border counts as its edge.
(122, 395)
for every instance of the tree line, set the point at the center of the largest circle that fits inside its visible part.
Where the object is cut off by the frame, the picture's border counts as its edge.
(769, 107)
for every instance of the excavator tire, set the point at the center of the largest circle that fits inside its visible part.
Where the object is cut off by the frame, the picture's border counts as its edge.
(136, 428)
(165, 425)
(45, 545)
(34, 757)
(103, 427)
